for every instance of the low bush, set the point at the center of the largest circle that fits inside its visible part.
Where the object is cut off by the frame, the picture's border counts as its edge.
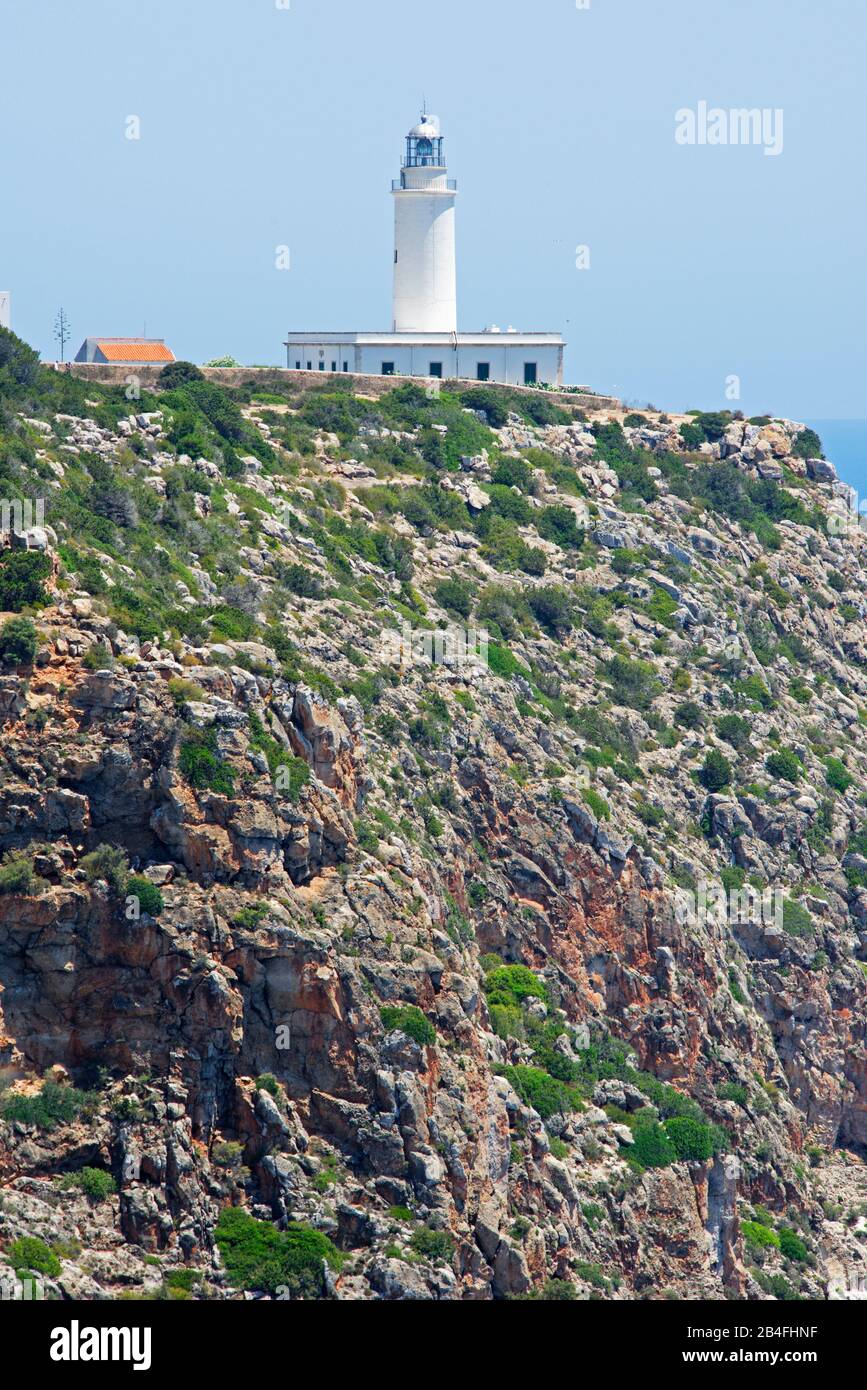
(437, 1246)
(633, 683)
(786, 764)
(653, 1148)
(792, 1247)
(95, 1183)
(22, 579)
(18, 642)
(691, 1139)
(106, 862)
(597, 803)
(837, 776)
(150, 899)
(759, 1237)
(511, 985)
(716, 772)
(53, 1105)
(259, 1257)
(28, 1252)
(455, 595)
(410, 1020)
(544, 1093)
(201, 764)
(17, 874)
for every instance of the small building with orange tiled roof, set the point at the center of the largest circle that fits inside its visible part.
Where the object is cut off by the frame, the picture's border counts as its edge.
(124, 352)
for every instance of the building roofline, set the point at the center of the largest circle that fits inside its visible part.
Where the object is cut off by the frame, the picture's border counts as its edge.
(327, 335)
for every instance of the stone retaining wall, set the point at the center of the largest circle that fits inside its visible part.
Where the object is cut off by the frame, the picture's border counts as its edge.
(147, 375)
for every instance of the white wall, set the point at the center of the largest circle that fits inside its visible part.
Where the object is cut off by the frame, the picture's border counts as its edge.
(316, 356)
(506, 359)
(425, 277)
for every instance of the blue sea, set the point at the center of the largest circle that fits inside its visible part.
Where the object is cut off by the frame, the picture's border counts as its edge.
(845, 444)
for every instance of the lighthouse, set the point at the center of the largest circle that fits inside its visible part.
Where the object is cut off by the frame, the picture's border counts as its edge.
(425, 273)
(424, 340)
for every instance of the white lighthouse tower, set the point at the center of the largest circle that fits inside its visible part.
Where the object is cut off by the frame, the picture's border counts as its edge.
(425, 277)
(424, 340)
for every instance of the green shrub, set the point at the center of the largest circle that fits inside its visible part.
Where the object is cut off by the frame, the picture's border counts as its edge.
(734, 730)
(437, 1246)
(17, 874)
(28, 1252)
(95, 1183)
(511, 985)
(232, 623)
(597, 803)
(410, 1020)
(22, 576)
(503, 663)
(98, 657)
(491, 403)
(716, 772)
(558, 1291)
(290, 774)
(150, 899)
(542, 1092)
(837, 776)
(753, 691)
(183, 1279)
(184, 691)
(792, 1247)
(785, 763)
(201, 764)
(558, 524)
(176, 374)
(692, 1139)
(507, 1021)
(759, 1237)
(513, 472)
(808, 445)
(633, 683)
(733, 1090)
(455, 595)
(18, 642)
(552, 607)
(109, 863)
(653, 1148)
(796, 919)
(693, 436)
(259, 1257)
(53, 1105)
(302, 582)
(689, 715)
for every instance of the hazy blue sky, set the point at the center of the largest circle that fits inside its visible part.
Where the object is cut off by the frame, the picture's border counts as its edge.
(263, 126)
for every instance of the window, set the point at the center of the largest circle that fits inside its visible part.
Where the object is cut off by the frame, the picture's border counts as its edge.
(346, 366)
(322, 366)
(530, 374)
(436, 369)
(483, 371)
(395, 255)
(334, 366)
(297, 366)
(310, 366)
(388, 369)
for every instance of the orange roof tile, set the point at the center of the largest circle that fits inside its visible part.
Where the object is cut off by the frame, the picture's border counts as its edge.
(136, 350)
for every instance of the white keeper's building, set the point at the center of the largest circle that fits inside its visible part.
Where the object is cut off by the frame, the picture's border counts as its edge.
(424, 339)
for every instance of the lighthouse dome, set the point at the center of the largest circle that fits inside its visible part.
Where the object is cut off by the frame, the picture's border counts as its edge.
(428, 128)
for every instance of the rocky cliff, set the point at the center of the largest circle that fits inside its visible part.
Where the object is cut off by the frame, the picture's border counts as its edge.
(340, 960)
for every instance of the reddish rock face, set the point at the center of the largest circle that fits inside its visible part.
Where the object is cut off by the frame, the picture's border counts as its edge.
(411, 954)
